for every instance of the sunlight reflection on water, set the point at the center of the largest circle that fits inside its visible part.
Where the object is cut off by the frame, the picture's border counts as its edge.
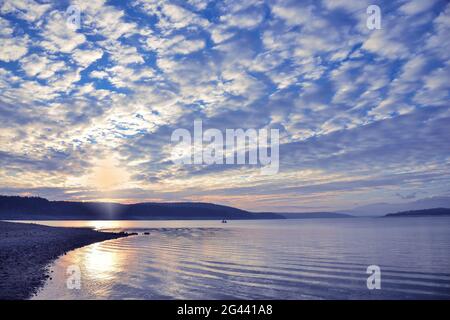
(303, 259)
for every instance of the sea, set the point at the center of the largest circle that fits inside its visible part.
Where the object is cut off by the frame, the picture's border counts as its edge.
(347, 258)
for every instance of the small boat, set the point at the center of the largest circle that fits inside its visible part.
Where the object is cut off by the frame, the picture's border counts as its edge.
(224, 221)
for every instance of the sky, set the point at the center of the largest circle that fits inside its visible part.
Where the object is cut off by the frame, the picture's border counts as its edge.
(87, 112)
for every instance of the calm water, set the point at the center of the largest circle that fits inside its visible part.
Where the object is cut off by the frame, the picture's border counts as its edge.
(286, 259)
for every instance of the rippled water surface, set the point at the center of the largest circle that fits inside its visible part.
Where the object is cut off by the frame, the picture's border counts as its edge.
(283, 259)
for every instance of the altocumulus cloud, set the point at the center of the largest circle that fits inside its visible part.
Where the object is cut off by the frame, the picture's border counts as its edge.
(363, 114)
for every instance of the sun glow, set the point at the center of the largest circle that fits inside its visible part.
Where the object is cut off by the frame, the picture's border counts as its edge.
(107, 175)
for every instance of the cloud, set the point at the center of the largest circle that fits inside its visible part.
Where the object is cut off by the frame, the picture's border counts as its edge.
(385, 43)
(6, 29)
(174, 45)
(123, 54)
(13, 49)
(28, 10)
(221, 33)
(438, 41)
(104, 20)
(40, 66)
(363, 114)
(58, 36)
(294, 14)
(436, 88)
(85, 57)
(187, 46)
(172, 16)
(347, 5)
(124, 77)
(248, 19)
(416, 7)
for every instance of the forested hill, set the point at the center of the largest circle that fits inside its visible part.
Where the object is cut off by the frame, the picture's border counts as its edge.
(435, 212)
(35, 208)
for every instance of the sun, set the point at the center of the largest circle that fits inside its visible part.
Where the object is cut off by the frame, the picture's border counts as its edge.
(108, 175)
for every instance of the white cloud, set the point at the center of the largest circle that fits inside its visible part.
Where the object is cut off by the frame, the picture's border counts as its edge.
(389, 108)
(25, 9)
(438, 79)
(123, 54)
(6, 29)
(438, 42)
(243, 20)
(296, 68)
(178, 17)
(171, 16)
(58, 36)
(221, 33)
(41, 66)
(41, 93)
(99, 74)
(65, 82)
(124, 77)
(348, 5)
(101, 19)
(413, 68)
(174, 45)
(413, 7)
(13, 49)
(232, 6)
(7, 79)
(198, 4)
(381, 42)
(436, 88)
(186, 46)
(294, 14)
(85, 57)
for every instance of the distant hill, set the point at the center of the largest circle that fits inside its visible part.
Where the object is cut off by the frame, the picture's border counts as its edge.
(436, 212)
(383, 208)
(35, 208)
(315, 215)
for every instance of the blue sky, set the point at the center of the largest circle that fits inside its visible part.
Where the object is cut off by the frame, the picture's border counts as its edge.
(87, 113)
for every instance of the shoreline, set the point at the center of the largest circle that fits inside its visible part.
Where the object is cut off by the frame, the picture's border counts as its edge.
(26, 250)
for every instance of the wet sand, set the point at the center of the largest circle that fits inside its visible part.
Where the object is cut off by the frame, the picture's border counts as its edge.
(26, 251)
